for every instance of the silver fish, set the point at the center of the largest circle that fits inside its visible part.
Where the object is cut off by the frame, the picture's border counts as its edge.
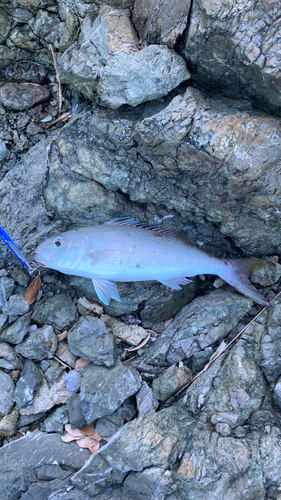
(126, 250)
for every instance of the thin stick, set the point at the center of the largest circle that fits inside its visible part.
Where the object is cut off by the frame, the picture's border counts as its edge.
(62, 362)
(226, 347)
(57, 77)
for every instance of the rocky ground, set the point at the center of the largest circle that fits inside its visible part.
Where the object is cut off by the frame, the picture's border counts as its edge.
(169, 115)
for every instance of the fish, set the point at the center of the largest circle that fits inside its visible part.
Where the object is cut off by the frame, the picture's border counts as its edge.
(125, 250)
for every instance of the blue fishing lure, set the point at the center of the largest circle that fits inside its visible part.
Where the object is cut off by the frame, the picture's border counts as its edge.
(12, 246)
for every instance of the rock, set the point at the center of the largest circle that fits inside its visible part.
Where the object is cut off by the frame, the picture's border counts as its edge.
(7, 353)
(29, 382)
(132, 334)
(236, 53)
(163, 25)
(107, 426)
(136, 77)
(38, 451)
(6, 22)
(15, 333)
(48, 396)
(39, 344)
(8, 424)
(15, 306)
(277, 393)
(198, 325)
(267, 275)
(6, 393)
(3, 151)
(171, 381)
(271, 344)
(58, 310)
(3, 321)
(76, 417)
(90, 339)
(54, 371)
(56, 420)
(65, 355)
(103, 390)
(146, 400)
(159, 439)
(73, 381)
(150, 482)
(6, 289)
(20, 96)
(127, 410)
(25, 420)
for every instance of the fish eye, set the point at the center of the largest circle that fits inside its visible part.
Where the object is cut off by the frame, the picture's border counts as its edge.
(58, 242)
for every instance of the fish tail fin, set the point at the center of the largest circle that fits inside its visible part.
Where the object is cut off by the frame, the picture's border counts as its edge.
(235, 273)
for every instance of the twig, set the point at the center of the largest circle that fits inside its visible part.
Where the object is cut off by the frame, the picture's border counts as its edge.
(62, 363)
(57, 77)
(226, 347)
(62, 118)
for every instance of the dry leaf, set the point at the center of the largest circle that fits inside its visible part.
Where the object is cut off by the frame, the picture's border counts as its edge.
(74, 432)
(168, 322)
(33, 290)
(68, 438)
(88, 430)
(142, 343)
(80, 363)
(87, 437)
(87, 442)
(62, 336)
(90, 307)
(95, 448)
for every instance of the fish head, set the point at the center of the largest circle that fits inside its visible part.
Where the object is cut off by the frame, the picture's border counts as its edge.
(63, 252)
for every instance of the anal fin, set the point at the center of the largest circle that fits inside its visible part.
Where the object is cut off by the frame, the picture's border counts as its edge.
(175, 283)
(106, 290)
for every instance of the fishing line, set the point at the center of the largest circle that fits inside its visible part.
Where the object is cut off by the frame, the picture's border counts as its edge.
(30, 265)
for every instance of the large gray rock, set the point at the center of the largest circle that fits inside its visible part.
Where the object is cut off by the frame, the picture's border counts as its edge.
(20, 96)
(90, 339)
(49, 395)
(103, 389)
(38, 452)
(39, 344)
(271, 344)
(152, 440)
(6, 289)
(3, 151)
(16, 306)
(59, 311)
(6, 393)
(30, 381)
(15, 333)
(235, 48)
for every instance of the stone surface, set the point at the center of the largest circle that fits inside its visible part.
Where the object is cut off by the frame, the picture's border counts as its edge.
(136, 77)
(56, 420)
(8, 424)
(49, 395)
(29, 382)
(7, 389)
(15, 306)
(271, 344)
(132, 334)
(15, 333)
(73, 381)
(6, 289)
(146, 400)
(76, 417)
(267, 275)
(39, 344)
(58, 310)
(236, 49)
(20, 96)
(170, 381)
(37, 451)
(155, 439)
(8, 354)
(90, 339)
(4, 152)
(103, 390)
(107, 426)
(161, 23)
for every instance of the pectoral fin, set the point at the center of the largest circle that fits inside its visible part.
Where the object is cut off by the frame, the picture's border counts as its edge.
(96, 257)
(175, 283)
(106, 290)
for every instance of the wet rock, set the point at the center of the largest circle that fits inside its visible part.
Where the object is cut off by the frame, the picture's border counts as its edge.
(58, 310)
(73, 381)
(39, 344)
(20, 96)
(29, 382)
(170, 381)
(236, 53)
(136, 77)
(132, 334)
(6, 393)
(90, 339)
(76, 417)
(15, 333)
(6, 288)
(198, 325)
(56, 420)
(49, 395)
(8, 424)
(158, 438)
(38, 450)
(15, 306)
(8, 354)
(146, 400)
(107, 426)
(271, 344)
(3, 151)
(163, 25)
(103, 390)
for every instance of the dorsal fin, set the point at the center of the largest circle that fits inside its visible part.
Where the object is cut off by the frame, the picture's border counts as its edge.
(126, 221)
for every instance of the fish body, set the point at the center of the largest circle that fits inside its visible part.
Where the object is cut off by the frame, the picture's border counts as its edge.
(125, 250)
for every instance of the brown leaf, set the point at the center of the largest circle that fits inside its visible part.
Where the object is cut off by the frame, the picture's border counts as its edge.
(74, 432)
(88, 430)
(33, 290)
(67, 438)
(80, 363)
(87, 442)
(95, 448)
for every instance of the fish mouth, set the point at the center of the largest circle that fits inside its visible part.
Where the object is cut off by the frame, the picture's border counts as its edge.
(39, 256)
